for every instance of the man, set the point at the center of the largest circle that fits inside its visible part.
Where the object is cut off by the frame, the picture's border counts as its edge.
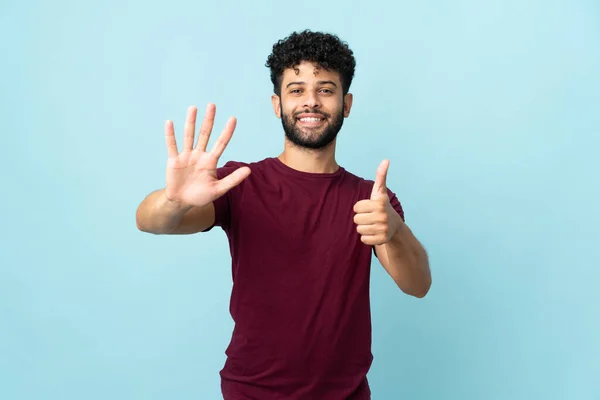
(301, 230)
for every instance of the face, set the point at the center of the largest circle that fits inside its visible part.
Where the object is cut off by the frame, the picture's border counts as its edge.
(312, 106)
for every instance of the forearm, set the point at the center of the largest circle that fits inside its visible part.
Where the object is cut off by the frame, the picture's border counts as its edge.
(157, 214)
(406, 261)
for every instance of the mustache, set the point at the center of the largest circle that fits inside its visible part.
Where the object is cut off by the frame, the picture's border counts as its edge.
(311, 111)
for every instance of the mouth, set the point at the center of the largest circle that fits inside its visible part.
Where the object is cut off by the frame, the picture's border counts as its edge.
(311, 120)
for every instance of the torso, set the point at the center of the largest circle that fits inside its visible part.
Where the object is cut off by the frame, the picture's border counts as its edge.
(300, 297)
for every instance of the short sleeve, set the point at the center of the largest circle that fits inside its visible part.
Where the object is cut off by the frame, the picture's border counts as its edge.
(224, 204)
(397, 206)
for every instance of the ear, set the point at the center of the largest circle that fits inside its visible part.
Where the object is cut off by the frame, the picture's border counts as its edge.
(276, 105)
(347, 104)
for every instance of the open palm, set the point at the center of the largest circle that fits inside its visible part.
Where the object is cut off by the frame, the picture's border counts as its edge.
(192, 173)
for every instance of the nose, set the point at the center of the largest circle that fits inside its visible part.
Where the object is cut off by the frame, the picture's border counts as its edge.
(312, 100)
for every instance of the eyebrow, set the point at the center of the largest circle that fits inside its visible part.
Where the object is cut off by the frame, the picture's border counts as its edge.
(319, 82)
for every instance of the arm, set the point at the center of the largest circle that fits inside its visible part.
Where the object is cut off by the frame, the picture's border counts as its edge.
(405, 259)
(158, 215)
(397, 249)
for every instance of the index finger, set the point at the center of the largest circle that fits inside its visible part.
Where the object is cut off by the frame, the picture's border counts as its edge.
(224, 139)
(365, 206)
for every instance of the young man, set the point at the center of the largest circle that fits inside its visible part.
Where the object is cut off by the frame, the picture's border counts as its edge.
(301, 230)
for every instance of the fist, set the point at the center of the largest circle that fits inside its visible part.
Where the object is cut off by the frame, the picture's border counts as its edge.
(376, 219)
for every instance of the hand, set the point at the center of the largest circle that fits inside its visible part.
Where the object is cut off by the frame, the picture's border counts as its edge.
(192, 174)
(376, 219)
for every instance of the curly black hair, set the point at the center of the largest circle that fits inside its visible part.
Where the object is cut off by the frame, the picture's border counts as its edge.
(324, 49)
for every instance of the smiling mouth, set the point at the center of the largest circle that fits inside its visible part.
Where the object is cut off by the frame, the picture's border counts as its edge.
(311, 122)
(314, 121)
(311, 119)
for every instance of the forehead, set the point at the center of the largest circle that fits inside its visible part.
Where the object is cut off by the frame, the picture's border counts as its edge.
(307, 72)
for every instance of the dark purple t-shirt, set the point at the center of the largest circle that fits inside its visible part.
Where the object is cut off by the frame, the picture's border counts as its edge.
(300, 298)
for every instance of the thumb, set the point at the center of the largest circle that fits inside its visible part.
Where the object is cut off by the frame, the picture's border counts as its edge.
(232, 180)
(380, 188)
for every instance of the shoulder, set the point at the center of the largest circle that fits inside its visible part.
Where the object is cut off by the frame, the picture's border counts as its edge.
(232, 165)
(363, 183)
(259, 164)
(360, 183)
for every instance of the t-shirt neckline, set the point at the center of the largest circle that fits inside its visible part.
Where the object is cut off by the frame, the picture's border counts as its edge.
(302, 174)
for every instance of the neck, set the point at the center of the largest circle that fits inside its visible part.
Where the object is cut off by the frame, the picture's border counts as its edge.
(307, 160)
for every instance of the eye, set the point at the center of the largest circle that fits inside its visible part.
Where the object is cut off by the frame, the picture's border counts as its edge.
(295, 91)
(328, 91)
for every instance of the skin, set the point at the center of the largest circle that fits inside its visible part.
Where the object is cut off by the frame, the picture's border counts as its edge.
(312, 88)
(185, 205)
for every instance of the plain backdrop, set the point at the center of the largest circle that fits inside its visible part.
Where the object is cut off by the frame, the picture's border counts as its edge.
(488, 110)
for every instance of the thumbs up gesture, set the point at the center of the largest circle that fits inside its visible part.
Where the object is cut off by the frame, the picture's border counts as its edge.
(376, 219)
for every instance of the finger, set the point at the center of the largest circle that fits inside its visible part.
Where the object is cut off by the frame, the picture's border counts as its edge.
(369, 219)
(368, 229)
(366, 206)
(379, 187)
(372, 240)
(224, 139)
(170, 139)
(232, 180)
(206, 127)
(189, 128)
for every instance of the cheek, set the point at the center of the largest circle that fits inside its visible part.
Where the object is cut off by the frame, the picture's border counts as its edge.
(335, 107)
(287, 108)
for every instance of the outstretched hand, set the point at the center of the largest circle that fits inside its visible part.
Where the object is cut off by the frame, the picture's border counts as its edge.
(376, 219)
(192, 173)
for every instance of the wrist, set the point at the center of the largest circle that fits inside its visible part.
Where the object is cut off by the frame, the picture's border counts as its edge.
(400, 229)
(175, 204)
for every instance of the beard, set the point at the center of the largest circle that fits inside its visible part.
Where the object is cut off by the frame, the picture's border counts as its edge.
(312, 138)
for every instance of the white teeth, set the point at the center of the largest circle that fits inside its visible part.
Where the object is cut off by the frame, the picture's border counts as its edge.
(310, 119)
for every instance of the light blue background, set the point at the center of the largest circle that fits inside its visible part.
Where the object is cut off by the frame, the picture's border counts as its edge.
(488, 110)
